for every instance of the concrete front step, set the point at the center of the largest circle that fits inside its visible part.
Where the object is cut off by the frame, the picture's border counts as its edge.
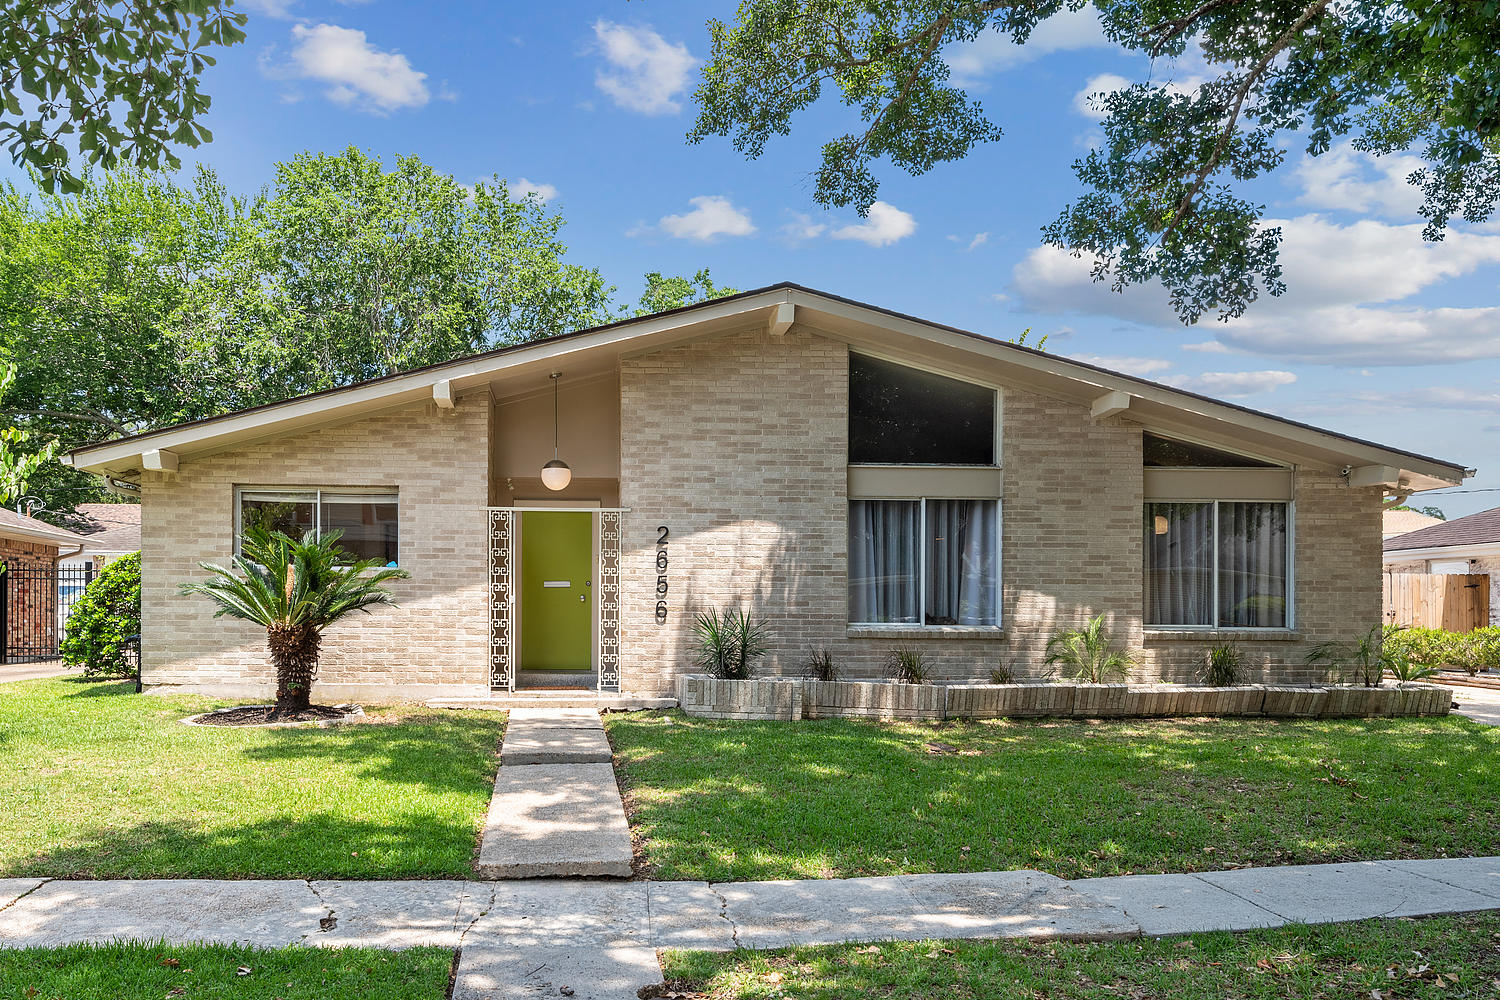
(502, 701)
(552, 820)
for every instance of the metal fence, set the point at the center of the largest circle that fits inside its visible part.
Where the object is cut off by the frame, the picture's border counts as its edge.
(35, 602)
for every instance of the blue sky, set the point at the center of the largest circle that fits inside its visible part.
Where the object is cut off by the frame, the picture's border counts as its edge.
(1378, 335)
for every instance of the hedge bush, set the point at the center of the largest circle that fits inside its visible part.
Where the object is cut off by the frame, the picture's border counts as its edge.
(1472, 651)
(108, 613)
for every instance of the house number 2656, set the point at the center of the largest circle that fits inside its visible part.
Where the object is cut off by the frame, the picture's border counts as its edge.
(661, 574)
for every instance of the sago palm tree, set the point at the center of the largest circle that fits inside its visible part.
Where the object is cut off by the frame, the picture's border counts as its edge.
(294, 589)
(1086, 653)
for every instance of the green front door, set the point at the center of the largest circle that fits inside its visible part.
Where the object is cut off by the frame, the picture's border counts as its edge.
(557, 599)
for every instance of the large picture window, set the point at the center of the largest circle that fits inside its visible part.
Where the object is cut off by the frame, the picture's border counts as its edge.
(368, 520)
(1221, 564)
(924, 562)
(903, 416)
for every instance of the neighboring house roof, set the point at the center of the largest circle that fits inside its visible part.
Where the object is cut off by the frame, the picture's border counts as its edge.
(777, 308)
(29, 529)
(1399, 522)
(1476, 529)
(111, 528)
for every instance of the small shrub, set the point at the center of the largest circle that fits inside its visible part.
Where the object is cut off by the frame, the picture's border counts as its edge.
(820, 666)
(1003, 674)
(1364, 660)
(107, 614)
(730, 642)
(906, 665)
(1088, 655)
(1406, 670)
(1223, 667)
(1434, 647)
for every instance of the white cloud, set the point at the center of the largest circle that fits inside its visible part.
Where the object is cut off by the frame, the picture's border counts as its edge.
(1142, 367)
(1232, 385)
(971, 243)
(358, 75)
(884, 224)
(521, 187)
(1342, 304)
(281, 9)
(802, 228)
(1349, 180)
(648, 71)
(1086, 103)
(712, 216)
(993, 51)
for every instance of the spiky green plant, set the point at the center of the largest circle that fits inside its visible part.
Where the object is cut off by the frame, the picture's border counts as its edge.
(1087, 654)
(821, 666)
(1222, 666)
(906, 665)
(730, 642)
(294, 589)
(1365, 660)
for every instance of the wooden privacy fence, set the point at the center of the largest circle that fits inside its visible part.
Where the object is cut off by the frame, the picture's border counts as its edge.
(1456, 602)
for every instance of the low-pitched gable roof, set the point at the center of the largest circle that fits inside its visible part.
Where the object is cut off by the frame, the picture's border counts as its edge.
(1399, 522)
(777, 307)
(30, 529)
(108, 527)
(1482, 528)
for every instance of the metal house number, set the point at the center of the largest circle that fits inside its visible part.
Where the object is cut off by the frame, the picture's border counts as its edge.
(661, 574)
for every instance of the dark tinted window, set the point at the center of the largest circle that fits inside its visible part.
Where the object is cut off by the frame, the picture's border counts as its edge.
(902, 416)
(1160, 452)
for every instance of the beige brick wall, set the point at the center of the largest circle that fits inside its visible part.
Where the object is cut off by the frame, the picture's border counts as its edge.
(436, 640)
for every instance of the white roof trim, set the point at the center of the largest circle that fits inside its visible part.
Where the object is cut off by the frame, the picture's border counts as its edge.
(422, 386)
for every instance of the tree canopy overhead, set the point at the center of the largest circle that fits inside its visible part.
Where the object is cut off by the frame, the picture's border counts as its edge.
(118, 81)
(1164, 194)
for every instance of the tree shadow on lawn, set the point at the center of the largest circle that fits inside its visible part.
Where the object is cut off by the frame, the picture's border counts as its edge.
(321, 846)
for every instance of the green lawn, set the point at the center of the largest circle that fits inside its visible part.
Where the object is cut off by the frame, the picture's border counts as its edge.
(153, 971)
(764, 800)
(1452, 957)
(99, 782)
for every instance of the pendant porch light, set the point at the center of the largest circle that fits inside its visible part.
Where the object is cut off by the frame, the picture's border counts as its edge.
(555, 474)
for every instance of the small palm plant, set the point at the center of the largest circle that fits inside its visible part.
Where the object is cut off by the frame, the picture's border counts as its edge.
(1365, 660)
(294, 590)
(1087, 654)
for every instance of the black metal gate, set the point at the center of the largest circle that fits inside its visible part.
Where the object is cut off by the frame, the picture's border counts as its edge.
(35, 602)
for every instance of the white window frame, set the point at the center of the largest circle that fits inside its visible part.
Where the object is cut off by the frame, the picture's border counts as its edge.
(314, 494)
(1291, 571)
(921, 622)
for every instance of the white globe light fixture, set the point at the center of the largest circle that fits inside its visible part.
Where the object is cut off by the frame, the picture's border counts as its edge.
(555, 474)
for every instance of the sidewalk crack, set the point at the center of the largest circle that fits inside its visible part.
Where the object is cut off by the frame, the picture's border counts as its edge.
(464, 934)
(734, 930)
(1255, 903)
(13, 902)
(325, 923)
(1396, 866)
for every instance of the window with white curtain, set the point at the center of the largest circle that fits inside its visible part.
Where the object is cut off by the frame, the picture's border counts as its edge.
(924, 562)
(1218, 563)
(367, 519)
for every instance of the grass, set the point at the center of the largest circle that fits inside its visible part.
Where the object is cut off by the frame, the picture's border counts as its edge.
(729, 801)
(1452, 957)
(213, 972)
(98, 782)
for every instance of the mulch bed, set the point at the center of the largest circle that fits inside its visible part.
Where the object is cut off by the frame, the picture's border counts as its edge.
(259, 715)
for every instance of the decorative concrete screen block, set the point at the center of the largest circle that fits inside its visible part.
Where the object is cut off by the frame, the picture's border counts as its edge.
(1101, 701)
(1000, 701)
(873, 700)
(711, 698)
(1294, 702)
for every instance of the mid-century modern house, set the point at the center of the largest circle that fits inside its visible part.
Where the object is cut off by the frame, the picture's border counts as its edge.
(857, 478)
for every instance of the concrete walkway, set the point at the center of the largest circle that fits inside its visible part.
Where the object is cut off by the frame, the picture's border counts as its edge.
(599, 939)
(556, 810)
(1479, 704)
(31, 671)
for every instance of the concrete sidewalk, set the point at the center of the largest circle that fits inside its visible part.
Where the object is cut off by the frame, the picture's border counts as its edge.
(1479, 704)
(531, 938)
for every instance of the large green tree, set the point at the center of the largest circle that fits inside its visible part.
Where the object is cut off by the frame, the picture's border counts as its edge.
(1165, 195)
(110, 83)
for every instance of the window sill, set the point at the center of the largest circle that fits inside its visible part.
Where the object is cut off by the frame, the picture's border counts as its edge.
(925, 632)
(1221, 635)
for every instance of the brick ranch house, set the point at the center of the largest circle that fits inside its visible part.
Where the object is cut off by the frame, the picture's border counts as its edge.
(858, 478)
(30, 551)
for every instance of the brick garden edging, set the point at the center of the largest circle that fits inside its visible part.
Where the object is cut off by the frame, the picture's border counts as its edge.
(790, 699)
